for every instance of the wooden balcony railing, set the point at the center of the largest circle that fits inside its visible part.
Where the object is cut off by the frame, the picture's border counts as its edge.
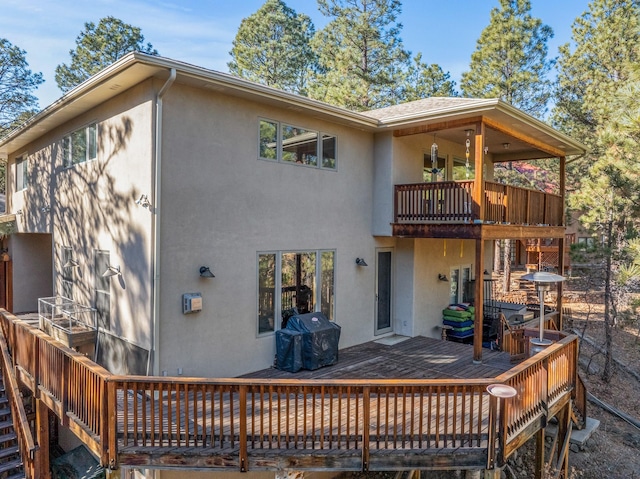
(451, 202)
(26, 443)
(269, 424)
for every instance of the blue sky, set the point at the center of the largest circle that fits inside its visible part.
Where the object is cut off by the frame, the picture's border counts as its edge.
(201, 32)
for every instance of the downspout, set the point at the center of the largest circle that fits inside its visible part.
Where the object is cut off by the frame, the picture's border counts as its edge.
(154, 357)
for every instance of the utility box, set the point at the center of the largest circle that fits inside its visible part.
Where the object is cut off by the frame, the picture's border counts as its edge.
(191, 303)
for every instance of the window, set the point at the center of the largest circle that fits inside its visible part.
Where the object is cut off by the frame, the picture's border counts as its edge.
(293, 144)
(67, 272)
(80, 146)
(22, 174)
(586, 242)
(102, 288)
(460, 285)
(296, 275)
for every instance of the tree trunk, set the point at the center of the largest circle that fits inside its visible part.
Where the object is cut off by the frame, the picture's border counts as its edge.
(496, 255)
(607, 372)
(506, 284)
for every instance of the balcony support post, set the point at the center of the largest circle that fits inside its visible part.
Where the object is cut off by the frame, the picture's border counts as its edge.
(561, 243)
(479, 302)
(478, 191)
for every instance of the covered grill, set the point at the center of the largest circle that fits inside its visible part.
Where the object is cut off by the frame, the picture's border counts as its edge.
(309, 341)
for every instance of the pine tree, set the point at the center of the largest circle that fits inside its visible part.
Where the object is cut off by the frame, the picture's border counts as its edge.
(597, 103)
(361, 56)
(510, 61)
(422, 81)
(273, 47)
(17, 84)
(98, 47)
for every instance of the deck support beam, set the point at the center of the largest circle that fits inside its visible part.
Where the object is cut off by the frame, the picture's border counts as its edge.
(42, 438)
(479, 302)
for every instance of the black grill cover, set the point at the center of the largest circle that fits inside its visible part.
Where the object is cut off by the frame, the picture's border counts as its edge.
(319, 339)
(289, 350)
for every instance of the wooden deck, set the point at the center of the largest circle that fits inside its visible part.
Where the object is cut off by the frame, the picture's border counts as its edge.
(412, 358)
(417, 404)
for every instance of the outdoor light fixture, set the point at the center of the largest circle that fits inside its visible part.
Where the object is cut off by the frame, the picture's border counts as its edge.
(506, 145)
(442, 277)
(361, 262)
(72, 263)
(143, 201)
(112, 271)
(469, 131)
(543, 282)
(45, 209)
(205, 272)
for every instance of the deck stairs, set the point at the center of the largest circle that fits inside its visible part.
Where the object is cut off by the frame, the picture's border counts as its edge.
(11, 466)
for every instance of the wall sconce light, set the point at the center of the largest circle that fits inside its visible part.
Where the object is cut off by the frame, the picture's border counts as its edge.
(469, 131)
(19, 212)
(205, 272)
(442, 277)
(486, 150)
(72, 263)
(143, 201)
(506, 145)
(45, 209)
(361, 262)
(112, 271)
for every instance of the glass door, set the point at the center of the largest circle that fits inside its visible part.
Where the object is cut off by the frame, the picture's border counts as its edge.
(384, 282)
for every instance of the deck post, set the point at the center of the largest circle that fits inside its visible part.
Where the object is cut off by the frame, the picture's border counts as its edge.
(479, 302)
(539, 456)
(42, 438)
(478, 190)
(563, 164)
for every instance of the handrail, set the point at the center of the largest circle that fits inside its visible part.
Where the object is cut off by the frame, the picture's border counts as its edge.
(451, 201)
(26, 443)
(112, 412)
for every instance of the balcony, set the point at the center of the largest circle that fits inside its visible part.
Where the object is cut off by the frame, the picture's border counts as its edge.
(452, 202)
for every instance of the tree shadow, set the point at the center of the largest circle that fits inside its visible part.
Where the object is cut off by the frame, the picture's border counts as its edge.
(91, 207)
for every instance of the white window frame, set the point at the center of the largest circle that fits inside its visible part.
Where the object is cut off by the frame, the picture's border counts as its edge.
(90, 154)
(317, 297)
(279, 145)
(67, 278)
(460, 270)
(22, 172)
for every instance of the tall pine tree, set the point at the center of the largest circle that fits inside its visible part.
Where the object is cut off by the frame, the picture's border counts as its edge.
(17, 84)
(510, 61)
(423, 80)
(97, 47)
(272, 47)
(597, 103)
(362, 58)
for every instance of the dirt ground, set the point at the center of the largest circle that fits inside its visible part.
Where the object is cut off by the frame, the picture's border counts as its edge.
(614, 449)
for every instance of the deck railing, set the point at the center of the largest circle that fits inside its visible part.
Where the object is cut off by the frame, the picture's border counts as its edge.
(336, 424)
(26, 443)
(451, 202)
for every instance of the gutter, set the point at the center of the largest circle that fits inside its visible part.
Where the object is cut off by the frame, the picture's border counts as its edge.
(154, 357)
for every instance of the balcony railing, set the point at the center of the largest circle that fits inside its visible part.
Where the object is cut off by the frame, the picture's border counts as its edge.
(268, 424)
(452, 202)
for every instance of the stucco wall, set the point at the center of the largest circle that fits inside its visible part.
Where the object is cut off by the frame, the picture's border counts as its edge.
(221, 206)
(91, 206)
(32, 278)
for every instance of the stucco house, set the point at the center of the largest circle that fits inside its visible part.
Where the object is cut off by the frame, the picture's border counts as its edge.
(158, 168)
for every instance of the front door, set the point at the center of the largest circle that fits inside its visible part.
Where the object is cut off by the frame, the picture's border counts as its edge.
(384, 281)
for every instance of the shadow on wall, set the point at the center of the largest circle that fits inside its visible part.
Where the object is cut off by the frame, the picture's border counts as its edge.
(86, 210)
